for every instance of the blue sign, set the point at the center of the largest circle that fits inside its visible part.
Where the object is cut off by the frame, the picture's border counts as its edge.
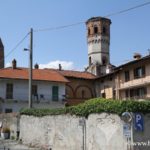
(139, 122)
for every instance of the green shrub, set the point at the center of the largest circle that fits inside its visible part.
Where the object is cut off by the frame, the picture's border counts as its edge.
(97, 105)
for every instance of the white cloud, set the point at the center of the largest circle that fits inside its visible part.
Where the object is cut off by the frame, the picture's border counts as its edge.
(66, 65)
(8, 64)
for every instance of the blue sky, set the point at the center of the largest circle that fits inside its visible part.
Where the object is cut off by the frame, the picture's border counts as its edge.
(130, 31)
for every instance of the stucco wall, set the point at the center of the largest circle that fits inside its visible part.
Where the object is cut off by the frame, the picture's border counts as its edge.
(64, 132)
(20, 95)
(20, 89)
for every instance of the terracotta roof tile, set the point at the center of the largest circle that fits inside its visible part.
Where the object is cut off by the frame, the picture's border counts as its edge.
(38, 74)
(77, 74)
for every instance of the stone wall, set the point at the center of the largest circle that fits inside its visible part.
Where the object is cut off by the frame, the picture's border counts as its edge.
(64, 132)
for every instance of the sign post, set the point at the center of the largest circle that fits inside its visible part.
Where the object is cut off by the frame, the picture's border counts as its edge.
(127, 118)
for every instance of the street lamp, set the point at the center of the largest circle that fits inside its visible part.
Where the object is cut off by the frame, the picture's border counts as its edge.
(30, 67)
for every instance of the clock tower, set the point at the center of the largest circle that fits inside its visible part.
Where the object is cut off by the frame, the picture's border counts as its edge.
(98, 39)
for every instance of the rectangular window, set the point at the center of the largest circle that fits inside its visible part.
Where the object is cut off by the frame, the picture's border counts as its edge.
(139, 72)
(35, 92)
(8, 110)
(55, 91)
(127, 76)
(127, 94)
(132, 93)
(103, 95)
(9, 91)
(114, 94)
(141, 92)
(34, 89)
(138, 93)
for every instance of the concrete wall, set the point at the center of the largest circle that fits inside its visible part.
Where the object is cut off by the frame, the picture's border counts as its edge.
(64, 132)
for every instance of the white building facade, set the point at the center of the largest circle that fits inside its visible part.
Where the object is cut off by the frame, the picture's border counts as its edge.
(48, 92)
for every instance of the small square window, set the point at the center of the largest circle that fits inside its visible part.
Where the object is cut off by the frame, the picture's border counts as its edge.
(139, 72)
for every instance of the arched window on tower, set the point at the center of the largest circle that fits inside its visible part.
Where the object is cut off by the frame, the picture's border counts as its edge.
(89, 31)
(90, 61)
(95, 30)
(104, 30)
(104, 60)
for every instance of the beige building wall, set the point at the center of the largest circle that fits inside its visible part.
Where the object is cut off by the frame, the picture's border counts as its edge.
(107, 87)
(144, 81)
(117, 87)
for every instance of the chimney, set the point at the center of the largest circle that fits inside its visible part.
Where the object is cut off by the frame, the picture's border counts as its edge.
(137, 56)
(36, 66)
(60, 67)
(14, 64)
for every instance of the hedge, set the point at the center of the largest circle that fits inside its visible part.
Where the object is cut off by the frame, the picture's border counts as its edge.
(96, 105)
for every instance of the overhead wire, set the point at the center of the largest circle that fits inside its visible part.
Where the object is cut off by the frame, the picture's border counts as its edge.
(82, 22)
(15, 47)
(74, 24)
(58, 27)
(125, 10)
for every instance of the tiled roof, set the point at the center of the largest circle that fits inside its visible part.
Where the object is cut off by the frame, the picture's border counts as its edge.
(38, 74)
(133, 62)
(77, 74)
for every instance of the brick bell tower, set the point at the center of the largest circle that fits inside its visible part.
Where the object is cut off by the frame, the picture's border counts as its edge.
(1, 54)
(98, 39)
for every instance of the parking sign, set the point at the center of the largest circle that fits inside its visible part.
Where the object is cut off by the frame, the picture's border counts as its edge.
(139, 122)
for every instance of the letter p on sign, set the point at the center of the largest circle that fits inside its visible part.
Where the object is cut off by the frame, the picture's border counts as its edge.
(139, 122)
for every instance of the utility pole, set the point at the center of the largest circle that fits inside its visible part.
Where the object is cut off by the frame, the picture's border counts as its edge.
(30, 68)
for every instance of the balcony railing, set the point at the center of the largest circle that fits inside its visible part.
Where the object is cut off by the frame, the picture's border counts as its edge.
(134, 83)
(142, 97)
(36, 98)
